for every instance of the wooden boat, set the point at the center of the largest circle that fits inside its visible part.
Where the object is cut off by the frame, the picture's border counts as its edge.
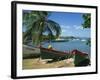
(80, 58)
(30, 52)
(53, 54)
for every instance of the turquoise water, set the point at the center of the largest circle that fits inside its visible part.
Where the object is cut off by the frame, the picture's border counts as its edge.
(69, 46)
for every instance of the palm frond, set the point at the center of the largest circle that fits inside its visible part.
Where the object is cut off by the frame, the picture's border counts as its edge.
(54, 27)
(37, 22)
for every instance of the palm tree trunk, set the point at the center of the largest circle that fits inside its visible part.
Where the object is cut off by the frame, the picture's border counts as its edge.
(40, 59)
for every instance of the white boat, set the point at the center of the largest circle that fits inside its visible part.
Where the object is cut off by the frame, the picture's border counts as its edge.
(83, 40)
(29, 51)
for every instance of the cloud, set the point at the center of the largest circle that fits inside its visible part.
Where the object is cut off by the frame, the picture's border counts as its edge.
(63, 30)
(65, 27)
(77, 27)
(74, 30)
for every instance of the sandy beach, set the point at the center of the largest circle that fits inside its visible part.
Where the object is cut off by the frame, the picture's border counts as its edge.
(36, 64)
(31, 62)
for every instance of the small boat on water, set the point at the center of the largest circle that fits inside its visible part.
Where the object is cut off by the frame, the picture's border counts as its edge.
(60, 40)
(80, 58)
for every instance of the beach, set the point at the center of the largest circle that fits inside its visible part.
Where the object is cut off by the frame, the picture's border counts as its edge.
(36, 64)
(31, 59)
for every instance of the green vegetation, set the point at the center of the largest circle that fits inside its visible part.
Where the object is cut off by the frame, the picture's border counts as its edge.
(87, 24)
(88, 42)
(39, 27)
(87, 21)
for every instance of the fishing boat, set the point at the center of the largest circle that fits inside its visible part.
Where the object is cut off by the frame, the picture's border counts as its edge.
(30, 52)
(80, 58)
(53, 54)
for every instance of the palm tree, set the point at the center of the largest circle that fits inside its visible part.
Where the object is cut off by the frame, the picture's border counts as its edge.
(87, 21)
(87, 24)
(37, 24)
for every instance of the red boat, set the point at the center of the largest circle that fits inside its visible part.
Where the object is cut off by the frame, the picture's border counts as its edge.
(80, 58)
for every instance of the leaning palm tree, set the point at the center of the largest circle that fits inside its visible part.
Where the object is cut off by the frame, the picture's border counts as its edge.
(39, 24)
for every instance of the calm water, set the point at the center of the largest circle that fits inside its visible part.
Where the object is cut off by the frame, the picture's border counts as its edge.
(69, 46)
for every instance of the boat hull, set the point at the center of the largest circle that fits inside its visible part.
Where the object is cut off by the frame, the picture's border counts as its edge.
(53, 54)
(80, 59)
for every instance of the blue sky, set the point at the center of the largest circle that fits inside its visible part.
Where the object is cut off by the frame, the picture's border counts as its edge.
(71, 24)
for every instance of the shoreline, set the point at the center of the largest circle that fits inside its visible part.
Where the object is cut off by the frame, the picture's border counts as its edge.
(31, 59)
(36, 64)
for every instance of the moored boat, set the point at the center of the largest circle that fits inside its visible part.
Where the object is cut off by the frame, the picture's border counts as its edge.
(53, 54)
(30, 52)
(80, 58)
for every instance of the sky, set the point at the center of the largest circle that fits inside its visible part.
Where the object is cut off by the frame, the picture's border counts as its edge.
(71, 24)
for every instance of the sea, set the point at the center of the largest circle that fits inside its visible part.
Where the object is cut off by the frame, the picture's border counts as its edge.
(69, 46)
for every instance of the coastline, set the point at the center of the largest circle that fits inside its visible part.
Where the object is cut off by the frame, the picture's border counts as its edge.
(36, 64)
(31, 60)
